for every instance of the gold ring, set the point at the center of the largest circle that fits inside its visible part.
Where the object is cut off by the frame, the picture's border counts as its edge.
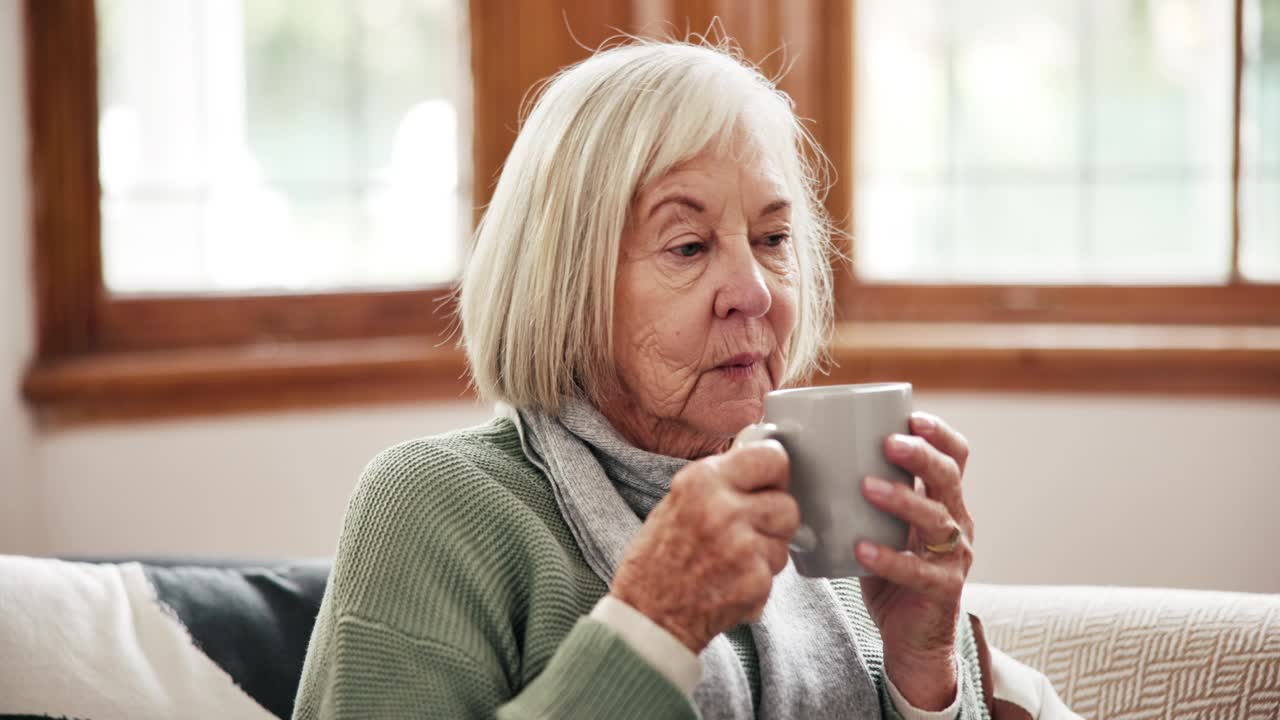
(948, 546)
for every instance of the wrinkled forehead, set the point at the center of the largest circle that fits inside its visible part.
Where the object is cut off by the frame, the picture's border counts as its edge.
(758, 156)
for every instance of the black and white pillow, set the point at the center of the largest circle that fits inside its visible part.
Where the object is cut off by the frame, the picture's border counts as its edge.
(99, 641)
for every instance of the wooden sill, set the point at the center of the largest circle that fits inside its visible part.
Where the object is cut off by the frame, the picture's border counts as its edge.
(1148, 359)
(268, 377)
(1235, 361)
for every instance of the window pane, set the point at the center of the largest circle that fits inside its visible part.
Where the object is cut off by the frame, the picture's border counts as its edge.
(1056, 141)
(911, 40)
(275, 145)
(1260, 186)
(1011, 231)
(1015, 88)
(1164, 224)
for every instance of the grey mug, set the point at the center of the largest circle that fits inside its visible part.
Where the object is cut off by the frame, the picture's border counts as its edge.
(834, 436)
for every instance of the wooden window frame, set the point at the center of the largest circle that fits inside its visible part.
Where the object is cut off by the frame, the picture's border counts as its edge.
(1160, 339)
(77, 314)
(101, 356)
(106, 357)
(1235, 303)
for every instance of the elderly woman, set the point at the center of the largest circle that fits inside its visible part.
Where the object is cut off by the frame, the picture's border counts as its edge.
(654, 261)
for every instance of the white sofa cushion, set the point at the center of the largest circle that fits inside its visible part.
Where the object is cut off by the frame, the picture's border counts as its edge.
(1142, 653)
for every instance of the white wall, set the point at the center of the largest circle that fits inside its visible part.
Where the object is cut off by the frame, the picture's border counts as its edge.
(1065, 489)
(1128, 491)
(245, 486)
(1174, 492)
(1122, 490)
(19, 526)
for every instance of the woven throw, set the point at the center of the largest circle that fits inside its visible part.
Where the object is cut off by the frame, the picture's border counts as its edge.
(1139, 654)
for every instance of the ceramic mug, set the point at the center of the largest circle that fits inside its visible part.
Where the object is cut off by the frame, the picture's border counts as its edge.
(834, 436)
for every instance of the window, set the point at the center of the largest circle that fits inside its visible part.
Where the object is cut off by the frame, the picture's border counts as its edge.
(261, 212)
(256, 204)
(1064, 141)
(279, 146)
(1260, 120)
(1071, 160)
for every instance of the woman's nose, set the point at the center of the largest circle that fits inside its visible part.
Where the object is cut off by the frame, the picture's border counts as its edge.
(742, 285)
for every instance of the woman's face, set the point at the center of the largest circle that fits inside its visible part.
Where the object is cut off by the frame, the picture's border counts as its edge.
(705, 302)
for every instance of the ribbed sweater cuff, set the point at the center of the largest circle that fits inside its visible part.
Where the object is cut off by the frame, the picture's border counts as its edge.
(651, 641)
(595, 673)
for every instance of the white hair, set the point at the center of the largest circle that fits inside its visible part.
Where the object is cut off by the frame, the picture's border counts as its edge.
(537, 297)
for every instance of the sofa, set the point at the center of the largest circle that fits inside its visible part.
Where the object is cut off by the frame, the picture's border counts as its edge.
(161, 622)
(1139, 653)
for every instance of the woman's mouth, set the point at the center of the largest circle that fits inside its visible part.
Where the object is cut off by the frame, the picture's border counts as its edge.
(740, 367)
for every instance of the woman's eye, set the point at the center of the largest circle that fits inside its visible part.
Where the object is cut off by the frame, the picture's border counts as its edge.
(690, 249)
(775, 240)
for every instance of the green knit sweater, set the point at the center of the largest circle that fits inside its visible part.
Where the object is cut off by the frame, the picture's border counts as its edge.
(458, 592)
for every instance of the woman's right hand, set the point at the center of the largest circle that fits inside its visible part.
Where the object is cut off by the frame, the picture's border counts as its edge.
(705, 558)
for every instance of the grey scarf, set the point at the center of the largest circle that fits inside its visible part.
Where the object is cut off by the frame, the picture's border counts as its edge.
(810, 666)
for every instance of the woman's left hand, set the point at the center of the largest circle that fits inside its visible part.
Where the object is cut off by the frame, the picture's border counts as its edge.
(914, 596)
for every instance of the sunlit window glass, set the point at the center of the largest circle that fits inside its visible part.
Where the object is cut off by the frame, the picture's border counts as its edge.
(280, 145)
(1260, 127)
(1051, 141)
